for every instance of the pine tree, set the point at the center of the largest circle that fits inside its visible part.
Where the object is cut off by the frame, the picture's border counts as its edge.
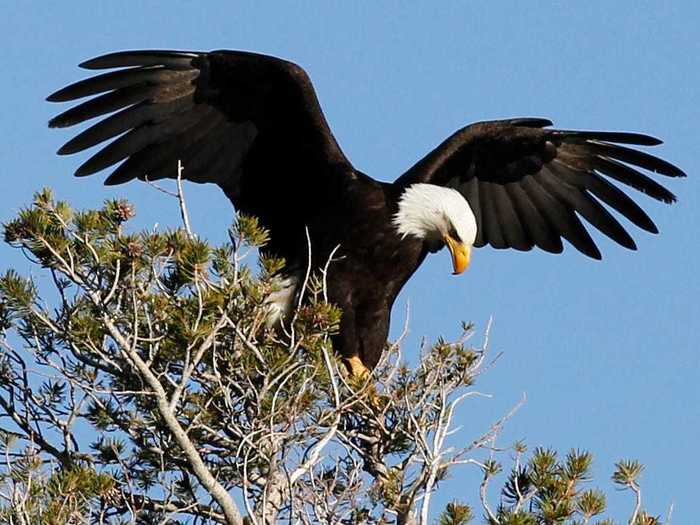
(144, 387)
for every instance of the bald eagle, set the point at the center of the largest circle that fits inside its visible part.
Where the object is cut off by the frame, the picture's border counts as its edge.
(252, 124)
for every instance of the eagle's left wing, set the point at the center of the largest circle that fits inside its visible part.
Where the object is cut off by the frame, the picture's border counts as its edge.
(527, 184)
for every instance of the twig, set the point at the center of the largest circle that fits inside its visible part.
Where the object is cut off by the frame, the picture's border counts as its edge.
(181, 199)
(638, 501)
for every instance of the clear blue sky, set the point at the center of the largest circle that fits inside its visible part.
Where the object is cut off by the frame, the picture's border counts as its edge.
(607, 352)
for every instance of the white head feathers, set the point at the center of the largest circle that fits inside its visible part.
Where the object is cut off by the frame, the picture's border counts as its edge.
(430, 212)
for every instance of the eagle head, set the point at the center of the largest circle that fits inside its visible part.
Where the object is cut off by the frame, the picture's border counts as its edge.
(438, 216)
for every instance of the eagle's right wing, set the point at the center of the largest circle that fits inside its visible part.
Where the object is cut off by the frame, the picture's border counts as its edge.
(204, 109)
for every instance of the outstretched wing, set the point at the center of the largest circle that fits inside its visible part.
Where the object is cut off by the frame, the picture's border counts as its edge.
(206, 109)
(526, 184)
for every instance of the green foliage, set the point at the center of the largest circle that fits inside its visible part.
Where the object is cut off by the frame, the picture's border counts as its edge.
(627, 472)
(248, 231)
(17, 295)
(548, 489)
(456, 513)
(591, 503)
(53, 497)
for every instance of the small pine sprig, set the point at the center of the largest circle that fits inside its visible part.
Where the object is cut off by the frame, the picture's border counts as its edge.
(247, 230)
(627, 472)
(456, 513)
(591, 503)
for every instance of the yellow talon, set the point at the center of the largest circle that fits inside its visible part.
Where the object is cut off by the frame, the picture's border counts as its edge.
(356, 368)
(358, 374)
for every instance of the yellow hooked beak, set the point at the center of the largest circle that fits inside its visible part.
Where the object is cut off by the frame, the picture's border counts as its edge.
(461, 253)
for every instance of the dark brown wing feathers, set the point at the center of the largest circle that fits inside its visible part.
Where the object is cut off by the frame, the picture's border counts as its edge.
(203, 109)
(528, 185)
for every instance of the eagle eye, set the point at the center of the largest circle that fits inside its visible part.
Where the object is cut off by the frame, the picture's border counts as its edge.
(453, 233)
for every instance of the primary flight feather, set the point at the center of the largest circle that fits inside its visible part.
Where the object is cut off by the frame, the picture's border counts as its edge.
(252, 124)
